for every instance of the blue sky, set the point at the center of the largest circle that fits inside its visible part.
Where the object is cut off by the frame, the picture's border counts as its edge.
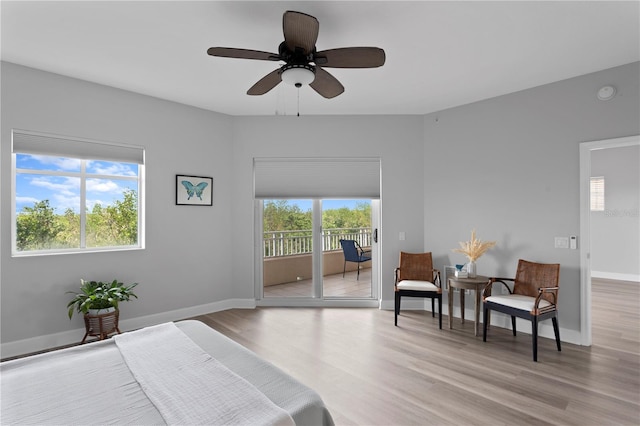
(62, 191)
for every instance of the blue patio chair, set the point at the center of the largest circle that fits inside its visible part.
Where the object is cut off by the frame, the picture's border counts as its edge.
(354, 253)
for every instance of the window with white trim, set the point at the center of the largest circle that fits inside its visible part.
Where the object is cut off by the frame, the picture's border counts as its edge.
(597, 194)
(75, 195)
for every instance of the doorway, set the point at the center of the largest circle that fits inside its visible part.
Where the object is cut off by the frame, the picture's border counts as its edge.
(586, 151)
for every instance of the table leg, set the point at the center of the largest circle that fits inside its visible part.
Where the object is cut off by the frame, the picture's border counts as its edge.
(477, 311)
(462, 292)
(450, 306)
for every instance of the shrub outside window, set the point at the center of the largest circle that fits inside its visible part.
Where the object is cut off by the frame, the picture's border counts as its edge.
(72, 195)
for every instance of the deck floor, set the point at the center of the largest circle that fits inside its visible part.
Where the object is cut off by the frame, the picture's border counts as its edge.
(333, 286)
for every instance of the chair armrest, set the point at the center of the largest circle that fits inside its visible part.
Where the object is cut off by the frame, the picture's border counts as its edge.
(542, 290)
(436, 279)
(396, 274)
(486, 291)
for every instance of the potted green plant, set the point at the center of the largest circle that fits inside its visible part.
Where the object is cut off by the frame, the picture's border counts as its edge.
(98, 302)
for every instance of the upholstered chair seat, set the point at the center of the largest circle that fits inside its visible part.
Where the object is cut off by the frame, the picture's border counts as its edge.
(518, 301)
(417, 285)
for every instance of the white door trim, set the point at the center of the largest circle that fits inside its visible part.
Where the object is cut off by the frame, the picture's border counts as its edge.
(585, 226)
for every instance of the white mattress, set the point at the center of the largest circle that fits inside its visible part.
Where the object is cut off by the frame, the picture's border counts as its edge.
(51, 388)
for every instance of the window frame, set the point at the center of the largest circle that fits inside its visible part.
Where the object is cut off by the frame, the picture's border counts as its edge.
(83, 176)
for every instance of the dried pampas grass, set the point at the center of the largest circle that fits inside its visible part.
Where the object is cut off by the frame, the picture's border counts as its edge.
(475, 248)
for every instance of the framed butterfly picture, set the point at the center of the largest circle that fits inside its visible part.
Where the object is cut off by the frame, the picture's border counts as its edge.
(194, 190)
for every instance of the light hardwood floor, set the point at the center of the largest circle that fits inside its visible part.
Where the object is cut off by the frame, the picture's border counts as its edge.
(371, 373)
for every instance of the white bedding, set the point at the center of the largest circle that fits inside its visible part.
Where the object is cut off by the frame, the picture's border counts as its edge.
(91, 384)
(177, 377)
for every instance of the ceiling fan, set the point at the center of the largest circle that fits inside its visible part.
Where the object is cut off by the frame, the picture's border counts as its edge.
(303, 64)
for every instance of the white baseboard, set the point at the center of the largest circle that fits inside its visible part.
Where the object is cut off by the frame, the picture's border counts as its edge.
(39, 343)
(70, 337)
(545, 329)
(615, 276)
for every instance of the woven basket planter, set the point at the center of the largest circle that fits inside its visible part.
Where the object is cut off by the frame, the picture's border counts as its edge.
(101, 325)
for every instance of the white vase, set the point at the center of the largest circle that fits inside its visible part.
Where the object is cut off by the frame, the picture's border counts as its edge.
(101, 311)
(471, 269)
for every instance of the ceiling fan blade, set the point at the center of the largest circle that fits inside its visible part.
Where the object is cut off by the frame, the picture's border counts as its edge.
(266, 83)
(351, 57)
(230, 52)
(300, 31)
(326, 84)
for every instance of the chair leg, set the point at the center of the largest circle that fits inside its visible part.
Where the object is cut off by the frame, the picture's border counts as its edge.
(358, 277)
(513, 325)
(485, 315)
(439, 312)
(556, 331)
(534, 337)
(344, 268)
(396, 308)
(433, 307)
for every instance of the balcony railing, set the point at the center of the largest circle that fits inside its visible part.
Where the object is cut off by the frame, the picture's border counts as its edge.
(289, 243)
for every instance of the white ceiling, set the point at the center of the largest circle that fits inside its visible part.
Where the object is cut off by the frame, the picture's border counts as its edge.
(439, 54)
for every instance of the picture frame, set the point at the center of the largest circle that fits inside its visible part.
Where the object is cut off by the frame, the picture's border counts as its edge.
(194, 190)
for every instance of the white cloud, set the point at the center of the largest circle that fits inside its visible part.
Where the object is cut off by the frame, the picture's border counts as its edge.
(68, 186)
(62, 203)
(103, 185)
(60, 162)
(103, 168)
(26, 200)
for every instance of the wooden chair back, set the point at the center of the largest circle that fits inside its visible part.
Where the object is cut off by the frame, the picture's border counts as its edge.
(416, 266)
(531, 276)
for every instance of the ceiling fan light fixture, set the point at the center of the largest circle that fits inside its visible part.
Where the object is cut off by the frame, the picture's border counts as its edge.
(298, 75)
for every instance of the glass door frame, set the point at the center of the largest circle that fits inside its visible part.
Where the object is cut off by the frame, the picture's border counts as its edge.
(317, 299)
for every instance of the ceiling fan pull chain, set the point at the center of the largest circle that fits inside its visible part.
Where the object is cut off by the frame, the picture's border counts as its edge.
(298, 101)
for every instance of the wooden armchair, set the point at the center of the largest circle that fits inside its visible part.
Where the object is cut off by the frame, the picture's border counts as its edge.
(415, 277)
(534, 297)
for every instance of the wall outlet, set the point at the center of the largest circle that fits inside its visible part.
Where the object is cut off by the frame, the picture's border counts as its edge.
(401, 236)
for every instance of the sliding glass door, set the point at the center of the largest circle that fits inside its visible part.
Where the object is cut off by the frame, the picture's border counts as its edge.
(287, 242)
(346, 270)
(302, 254)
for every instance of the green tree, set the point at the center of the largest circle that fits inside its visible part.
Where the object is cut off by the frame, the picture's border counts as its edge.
(69, 235)
(95, 227)
(37, 227)
(358, 217)
(122, 218)
(280, 216)
(114, 225)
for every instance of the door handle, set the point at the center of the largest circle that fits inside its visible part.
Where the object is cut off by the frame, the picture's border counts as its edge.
(375, 235)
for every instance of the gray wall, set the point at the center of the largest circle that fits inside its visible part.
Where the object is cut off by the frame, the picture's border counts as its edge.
(506, 166)
(397, 140)
(509, 167)
(615, 232)
(186, 261)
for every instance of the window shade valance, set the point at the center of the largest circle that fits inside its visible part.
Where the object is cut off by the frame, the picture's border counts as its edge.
(279, 178)
(63, 146)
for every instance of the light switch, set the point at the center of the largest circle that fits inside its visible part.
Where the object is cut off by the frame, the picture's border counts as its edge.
(561, 242)
(573, 242)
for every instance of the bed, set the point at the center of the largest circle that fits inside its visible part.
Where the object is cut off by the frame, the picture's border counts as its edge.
(173, 373)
